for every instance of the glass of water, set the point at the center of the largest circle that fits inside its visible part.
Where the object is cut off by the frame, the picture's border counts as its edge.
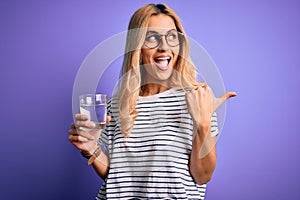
(95, 107)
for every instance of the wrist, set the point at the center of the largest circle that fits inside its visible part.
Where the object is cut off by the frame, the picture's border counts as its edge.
(203, 127)
(85, 154)
(97, 152)
(89, 152)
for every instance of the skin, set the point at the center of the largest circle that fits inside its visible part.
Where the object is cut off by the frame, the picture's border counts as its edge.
(156, 80)
(84, 137)
(201, 105)
(200, 101)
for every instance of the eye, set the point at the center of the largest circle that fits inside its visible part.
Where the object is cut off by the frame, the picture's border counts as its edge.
(172, 36)
(153, 38)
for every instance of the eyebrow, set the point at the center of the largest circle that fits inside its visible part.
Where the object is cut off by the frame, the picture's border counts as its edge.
(151, 32)
(155, 32)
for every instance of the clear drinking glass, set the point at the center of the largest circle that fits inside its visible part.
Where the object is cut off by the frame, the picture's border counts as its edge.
(94, 106)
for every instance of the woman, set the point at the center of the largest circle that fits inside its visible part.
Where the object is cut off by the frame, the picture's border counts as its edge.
(159, 142)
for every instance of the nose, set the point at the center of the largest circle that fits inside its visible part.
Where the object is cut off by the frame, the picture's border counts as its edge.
(163, 46)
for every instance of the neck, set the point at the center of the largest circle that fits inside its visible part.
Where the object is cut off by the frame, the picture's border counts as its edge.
(152, 89)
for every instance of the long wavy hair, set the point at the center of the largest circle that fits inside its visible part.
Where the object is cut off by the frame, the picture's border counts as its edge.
(132, 74)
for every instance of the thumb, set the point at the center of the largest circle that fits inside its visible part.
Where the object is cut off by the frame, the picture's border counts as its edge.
(219, 101)
(108, 118)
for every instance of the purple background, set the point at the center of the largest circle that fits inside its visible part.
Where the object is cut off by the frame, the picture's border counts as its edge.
(255, 45)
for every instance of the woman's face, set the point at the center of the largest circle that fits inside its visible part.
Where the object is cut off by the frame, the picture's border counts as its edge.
(158, 55)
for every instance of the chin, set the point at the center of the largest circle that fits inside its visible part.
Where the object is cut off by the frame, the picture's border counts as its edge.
(164, 75)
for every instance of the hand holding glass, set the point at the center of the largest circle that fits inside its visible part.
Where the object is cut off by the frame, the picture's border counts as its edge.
(95, 107)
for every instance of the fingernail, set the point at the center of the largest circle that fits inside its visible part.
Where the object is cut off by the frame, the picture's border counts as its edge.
(92, 125)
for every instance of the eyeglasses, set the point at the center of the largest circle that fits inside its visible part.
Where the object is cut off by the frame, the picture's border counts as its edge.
(153, 39)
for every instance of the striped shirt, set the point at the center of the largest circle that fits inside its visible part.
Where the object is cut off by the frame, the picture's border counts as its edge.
(153, 163)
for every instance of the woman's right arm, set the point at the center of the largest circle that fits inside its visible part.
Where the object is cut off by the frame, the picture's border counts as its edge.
(84, 136)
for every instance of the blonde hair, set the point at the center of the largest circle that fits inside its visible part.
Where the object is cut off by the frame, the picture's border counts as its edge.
(184, 74)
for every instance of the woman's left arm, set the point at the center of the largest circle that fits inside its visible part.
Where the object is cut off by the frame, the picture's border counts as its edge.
(203, 156)
(202, 104)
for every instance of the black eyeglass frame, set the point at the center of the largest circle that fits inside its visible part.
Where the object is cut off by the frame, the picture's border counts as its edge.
(179, 34)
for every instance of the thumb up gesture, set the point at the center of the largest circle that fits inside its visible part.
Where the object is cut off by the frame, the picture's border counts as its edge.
(202, 104)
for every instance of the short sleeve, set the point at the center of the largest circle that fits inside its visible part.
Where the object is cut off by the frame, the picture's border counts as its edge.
(104, 136)
(214, 131)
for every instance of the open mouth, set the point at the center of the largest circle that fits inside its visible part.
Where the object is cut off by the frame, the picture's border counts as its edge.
(162, 62)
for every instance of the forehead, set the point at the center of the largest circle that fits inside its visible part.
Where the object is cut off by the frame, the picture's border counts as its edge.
(161, 23)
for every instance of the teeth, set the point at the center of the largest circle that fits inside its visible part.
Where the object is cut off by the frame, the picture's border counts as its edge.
(163, 58)
(162, 62)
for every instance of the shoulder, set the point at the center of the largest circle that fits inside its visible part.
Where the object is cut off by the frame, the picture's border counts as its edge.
(113, 105)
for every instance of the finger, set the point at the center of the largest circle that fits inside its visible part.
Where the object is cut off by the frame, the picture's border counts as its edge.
(188, 93)
(90, 134)
(72, 132)
(228, 95)
(203, 84)
(73, 126)
(81, 117)
(77, 138)
(85, 124)
(219, 101)
(108, 118)
(202, 94)
(191, 97)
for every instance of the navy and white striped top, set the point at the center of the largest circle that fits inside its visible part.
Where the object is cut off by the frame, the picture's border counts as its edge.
(153, 162)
